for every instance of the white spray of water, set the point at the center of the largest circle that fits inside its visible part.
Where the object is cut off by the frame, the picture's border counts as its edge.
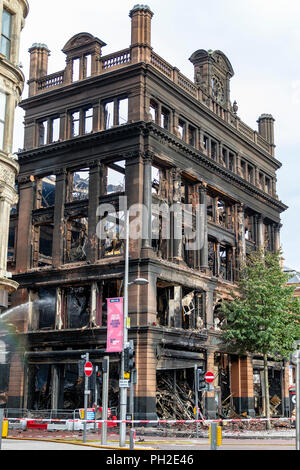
(19, 312)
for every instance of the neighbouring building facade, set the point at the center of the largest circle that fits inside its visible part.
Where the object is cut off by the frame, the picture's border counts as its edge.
(130, 124)
(12, 17)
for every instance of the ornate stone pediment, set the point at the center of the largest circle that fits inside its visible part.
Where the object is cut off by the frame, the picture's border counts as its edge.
(82, 41)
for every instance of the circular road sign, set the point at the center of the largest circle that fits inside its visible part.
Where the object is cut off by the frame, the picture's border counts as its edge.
(209, 377)
(88, 369)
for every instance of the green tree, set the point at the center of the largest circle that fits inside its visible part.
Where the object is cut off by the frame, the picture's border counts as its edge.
(263, 318)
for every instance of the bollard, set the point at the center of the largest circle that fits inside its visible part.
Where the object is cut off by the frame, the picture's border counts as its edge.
(215, 436)
(131, 439)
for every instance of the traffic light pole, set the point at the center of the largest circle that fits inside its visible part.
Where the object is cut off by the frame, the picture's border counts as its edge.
(105, 400)
(196, 399)
(123, 390)
(86, 394)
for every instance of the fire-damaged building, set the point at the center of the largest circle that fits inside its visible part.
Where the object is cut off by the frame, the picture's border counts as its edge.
(130, 124)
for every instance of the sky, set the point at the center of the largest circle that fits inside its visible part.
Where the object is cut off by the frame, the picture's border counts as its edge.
(261, 38)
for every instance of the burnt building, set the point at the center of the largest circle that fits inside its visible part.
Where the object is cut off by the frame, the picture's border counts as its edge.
(129, 124)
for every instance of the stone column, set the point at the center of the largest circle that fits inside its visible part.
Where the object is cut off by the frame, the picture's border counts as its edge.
(23, 245)
(134, 189)
(147, 201)
(260, 233)
(204, 249)
(177, 215)
(241, 239)
(277, 244)
(242, 384)
(59, 223)
(145, 390)
(94, 199)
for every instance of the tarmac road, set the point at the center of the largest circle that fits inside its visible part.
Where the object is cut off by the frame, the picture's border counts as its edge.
(20, 444)
(182, 445)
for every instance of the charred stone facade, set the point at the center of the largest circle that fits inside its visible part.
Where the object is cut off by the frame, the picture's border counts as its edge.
(130, 124)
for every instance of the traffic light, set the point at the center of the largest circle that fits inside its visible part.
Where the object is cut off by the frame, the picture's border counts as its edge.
(201, 380)
(98, 377)
(129, 354)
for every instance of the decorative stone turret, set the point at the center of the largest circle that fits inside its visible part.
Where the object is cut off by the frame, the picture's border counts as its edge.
(213, 72)
(141, 17)
(266, 129)
(39, 54)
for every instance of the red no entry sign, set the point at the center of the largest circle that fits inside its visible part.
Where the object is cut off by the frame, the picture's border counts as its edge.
(209, 377)
(88, 369)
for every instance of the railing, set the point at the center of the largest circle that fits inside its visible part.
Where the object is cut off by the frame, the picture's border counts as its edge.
(246, 130)
(163, 66)
(50, 81)
(117, 59)
(19, 413)
(263, 143)
(187, 85)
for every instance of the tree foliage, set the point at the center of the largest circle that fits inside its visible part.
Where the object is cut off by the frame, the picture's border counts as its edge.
(264, 317)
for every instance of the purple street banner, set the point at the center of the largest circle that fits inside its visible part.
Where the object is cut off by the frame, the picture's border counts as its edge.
(114, 325)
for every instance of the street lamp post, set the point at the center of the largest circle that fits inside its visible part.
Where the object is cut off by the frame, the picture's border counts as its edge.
(138, 281)
(123, 390)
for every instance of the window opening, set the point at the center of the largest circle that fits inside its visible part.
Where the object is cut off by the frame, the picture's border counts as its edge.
(45, 245)
(155, 180)
(192, 136)
(43, 132)
(48, 191)
(123, 111)
(75, 124)
(213, 150)
(3, 99)
(11, 243)
(88, 120)
(153, 111)
(77, 238)
(181, 129)
(46, 305)
(6, 34)
(75, 70)
(114, 244)
(115, 181)
(88, 64)
(80, 184)
(109, 115)
(55, 130)
(78, 306)
(165, 119)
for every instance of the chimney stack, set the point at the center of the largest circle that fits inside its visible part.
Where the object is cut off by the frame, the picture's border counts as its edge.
(141, 17)
(39, 54)
(266, 129)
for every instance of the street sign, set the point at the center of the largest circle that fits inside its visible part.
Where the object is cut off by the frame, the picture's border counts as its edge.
(123, 383)
(209, 377)
(88, 369)
(91, 414)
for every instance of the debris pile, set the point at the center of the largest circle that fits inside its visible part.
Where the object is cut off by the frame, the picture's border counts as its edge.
(174, 401)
